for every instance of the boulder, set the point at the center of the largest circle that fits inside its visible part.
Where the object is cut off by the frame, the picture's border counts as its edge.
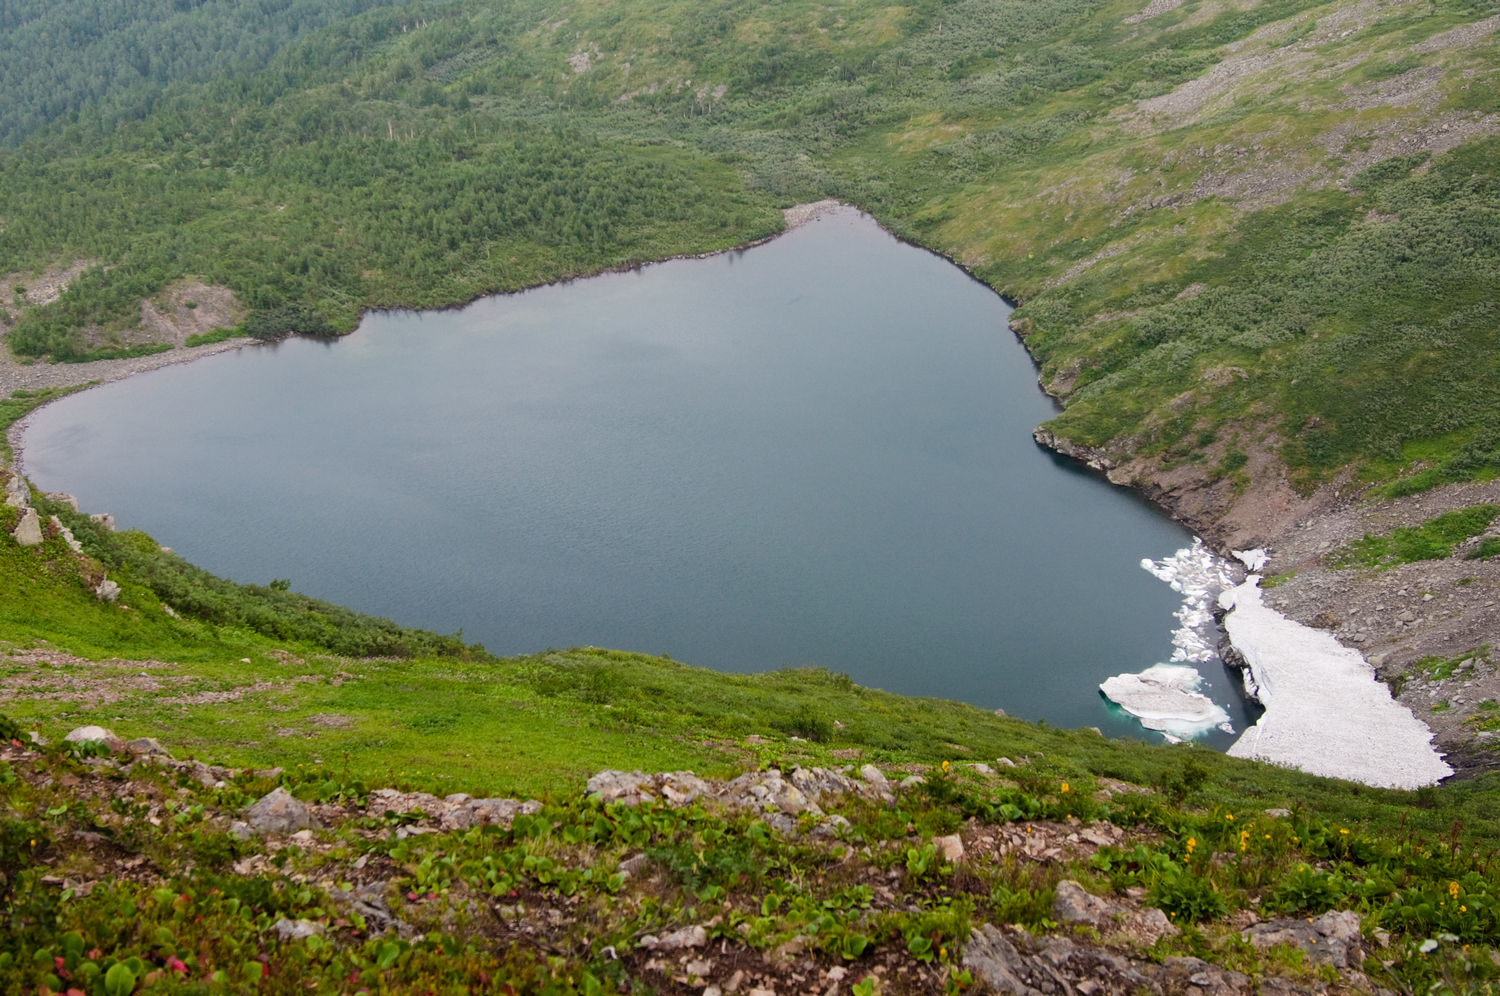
(687, 937)
(104, 519)
(873, 775)
(1071, 904)
(29, 531)
(147, 747)
(629, 787)
(500, 812)
(278, 811)
(63, 498)
(95, 734)
(17, 492)
(995, 961)
(1331, 939)
(107, 591)
(950, 847)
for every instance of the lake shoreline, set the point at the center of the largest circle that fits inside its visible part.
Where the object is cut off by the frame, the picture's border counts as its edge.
(14, 375)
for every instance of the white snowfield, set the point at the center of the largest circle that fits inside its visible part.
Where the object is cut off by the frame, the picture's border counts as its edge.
(1326, 713)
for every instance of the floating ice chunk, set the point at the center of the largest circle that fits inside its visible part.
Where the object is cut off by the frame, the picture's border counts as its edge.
(1200, 576)
(1165, 698)
(1253, 560)
(1325, 712)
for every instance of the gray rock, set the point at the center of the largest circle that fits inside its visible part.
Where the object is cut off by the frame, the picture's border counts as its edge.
(500, 812)
(17, 492)
(1331, 939)
(873, 775)
(1278, 813)
(107, 591)
(147, 747)
(911, 781)
(982, 769)
(240, 830)
(104, 519)
(687, 937)
(95, 734)
(993, 959)
(279, 812)
(1072, 904)
(618, 786)
(1005, 762)
(29, 531)
(62, 498)
(67, 535)
(814, 782)
(296, 930)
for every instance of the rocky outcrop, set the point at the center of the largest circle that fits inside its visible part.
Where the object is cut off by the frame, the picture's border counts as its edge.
(1019, 964)
(455, 812)
(1331, 939)
(1073, 905)
(1089, 455)
(780, 799)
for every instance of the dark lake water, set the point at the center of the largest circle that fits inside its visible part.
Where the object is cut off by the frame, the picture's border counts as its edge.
(817, 451)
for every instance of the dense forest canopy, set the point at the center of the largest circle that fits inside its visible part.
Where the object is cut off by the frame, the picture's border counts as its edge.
(1221, 223)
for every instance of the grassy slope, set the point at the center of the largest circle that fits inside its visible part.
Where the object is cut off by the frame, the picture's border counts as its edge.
(542, 724)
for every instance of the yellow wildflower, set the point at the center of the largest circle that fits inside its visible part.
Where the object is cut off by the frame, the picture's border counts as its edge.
(1343, 831)
(945, 767)
(1229, 816)
(1064, 786)
(1453, 889)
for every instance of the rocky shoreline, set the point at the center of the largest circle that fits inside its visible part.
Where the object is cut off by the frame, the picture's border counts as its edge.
(1426, 627)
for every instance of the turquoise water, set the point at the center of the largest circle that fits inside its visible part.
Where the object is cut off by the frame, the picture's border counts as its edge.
(817, 451)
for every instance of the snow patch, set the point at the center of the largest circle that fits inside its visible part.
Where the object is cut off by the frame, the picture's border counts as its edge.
(1165, 698)
(1326, 714)
(1253, 560)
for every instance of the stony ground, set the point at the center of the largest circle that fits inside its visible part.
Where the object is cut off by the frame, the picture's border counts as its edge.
(1097, 945)
(1427, 627)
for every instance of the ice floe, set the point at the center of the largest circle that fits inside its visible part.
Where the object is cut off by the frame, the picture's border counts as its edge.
(1326, 714)
(1165, 697)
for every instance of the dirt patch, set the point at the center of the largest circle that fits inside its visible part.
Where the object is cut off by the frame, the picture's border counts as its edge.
(187, 308)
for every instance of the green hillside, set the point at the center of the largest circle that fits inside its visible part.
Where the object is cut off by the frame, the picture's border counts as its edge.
(1267, 228)
(1248, 240)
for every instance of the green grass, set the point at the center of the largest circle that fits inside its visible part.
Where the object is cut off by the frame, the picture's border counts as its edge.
(464, 721)
(1432, 540)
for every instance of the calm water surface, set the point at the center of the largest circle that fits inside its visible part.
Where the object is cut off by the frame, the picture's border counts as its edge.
(817, 451)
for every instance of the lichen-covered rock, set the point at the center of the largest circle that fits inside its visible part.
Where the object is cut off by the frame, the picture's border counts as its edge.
(1331, 939)
(278, 811)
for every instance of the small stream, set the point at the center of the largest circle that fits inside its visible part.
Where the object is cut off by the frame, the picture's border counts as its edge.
(817, 451)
